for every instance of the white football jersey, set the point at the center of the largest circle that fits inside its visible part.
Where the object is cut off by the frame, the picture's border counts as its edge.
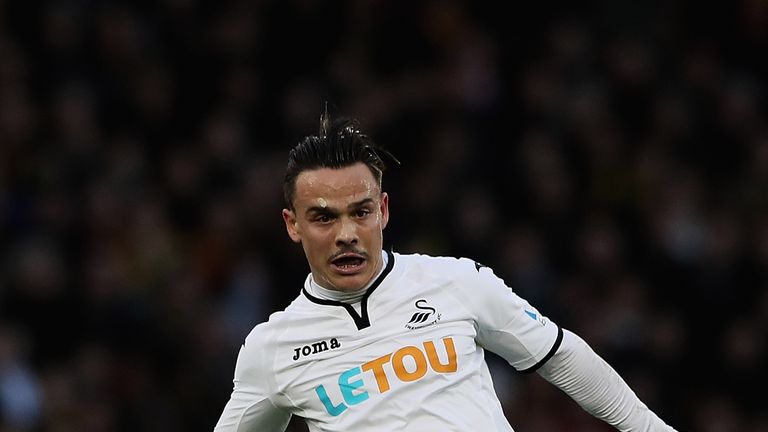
(410, 360)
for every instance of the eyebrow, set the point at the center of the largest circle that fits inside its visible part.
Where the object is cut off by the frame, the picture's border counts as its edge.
(330, 211)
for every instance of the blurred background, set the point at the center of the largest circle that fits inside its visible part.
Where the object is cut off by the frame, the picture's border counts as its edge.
(609, 161)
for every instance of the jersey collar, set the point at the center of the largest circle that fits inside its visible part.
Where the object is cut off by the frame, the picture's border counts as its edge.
(361, 320)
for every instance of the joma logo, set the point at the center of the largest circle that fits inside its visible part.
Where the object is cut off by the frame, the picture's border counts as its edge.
(314, 348)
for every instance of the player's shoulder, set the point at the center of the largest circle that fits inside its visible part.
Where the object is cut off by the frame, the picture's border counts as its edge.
(262, 340)
(264, 332)
(297, 316)
(255, 362)
(441, 265)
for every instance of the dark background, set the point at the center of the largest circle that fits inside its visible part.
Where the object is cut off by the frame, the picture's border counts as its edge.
(609, 161)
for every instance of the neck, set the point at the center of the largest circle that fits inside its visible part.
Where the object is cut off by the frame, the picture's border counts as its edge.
(349, 296)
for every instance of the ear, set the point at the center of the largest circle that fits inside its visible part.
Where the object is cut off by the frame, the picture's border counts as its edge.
(289, 217)
(384, 208)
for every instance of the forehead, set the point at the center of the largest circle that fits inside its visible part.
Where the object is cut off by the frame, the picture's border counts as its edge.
(336, 186)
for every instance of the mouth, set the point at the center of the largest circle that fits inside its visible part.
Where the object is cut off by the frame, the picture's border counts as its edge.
(348, 263)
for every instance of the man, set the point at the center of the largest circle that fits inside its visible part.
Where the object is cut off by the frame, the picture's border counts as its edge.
(379, 341)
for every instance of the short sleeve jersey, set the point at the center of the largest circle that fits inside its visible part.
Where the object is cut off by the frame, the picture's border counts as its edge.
(409, 358)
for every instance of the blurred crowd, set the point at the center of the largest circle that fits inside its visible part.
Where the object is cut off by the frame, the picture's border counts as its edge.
(609, 161)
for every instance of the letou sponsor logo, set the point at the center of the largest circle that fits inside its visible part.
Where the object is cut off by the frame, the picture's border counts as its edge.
(387, 368)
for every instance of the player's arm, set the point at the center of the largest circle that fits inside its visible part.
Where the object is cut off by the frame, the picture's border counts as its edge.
(510, 327)
(506, 324)
(250, 407)
(577, 370)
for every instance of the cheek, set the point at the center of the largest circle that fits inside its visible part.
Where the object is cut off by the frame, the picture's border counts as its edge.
(317, 238)
(380, 221)
(313, 248)
(373, 227)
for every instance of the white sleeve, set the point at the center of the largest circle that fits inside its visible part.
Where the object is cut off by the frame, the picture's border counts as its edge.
(250, 407)
(597, 387)
(506, 323)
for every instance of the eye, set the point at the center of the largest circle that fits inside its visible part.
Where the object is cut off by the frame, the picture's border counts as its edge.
(362, 213)
(323, 219)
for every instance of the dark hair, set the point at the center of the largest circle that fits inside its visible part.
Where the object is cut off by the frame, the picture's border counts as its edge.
(339, 144)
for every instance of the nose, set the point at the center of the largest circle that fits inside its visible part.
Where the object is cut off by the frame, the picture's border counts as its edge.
(347, 234)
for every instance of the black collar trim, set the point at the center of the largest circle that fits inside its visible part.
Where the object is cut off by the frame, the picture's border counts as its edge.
(361, 321)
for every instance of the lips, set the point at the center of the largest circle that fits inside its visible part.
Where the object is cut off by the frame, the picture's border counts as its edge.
(348, 263)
